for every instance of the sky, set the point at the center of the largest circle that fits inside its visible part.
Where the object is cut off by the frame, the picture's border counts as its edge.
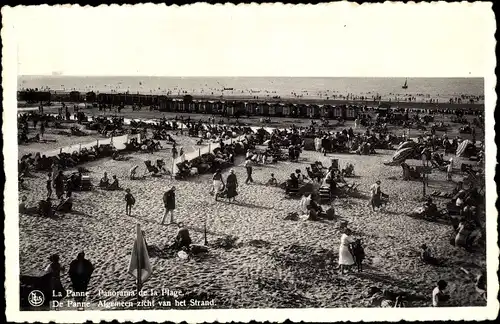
(424, 40)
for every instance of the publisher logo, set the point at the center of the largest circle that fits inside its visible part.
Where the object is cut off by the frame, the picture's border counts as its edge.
(36, 298)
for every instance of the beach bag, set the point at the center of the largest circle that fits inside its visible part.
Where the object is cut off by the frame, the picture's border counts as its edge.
(182, 255)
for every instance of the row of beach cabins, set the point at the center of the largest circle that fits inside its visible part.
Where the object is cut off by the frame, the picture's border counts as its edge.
(206, 106)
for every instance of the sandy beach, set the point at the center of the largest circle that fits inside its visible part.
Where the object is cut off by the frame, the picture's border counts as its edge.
(298, 257)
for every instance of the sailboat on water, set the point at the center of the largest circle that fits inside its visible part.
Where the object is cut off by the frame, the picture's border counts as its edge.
(405, 86)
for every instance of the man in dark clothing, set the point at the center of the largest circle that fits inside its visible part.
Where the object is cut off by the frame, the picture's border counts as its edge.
(248, 167)
(42, 128)
(80, 271)
(49, 185)
(169, 202)
(174, 152)
(59, 184)
(291, 153)
(183, 240)
(324, 144)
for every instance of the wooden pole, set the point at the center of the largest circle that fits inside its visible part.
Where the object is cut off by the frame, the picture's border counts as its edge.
(139, 270)
(205, 231)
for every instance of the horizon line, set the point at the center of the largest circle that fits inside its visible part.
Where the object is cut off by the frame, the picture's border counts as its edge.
(246, 76)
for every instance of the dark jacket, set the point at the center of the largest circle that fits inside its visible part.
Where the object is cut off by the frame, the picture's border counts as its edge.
(81, 280)
(169, 199)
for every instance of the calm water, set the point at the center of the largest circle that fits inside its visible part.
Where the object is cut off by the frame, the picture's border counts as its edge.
(420, 88)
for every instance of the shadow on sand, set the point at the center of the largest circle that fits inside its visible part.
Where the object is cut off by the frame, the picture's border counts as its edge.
(249, 205)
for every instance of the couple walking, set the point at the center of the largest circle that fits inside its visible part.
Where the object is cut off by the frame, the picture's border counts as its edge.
(227, 189)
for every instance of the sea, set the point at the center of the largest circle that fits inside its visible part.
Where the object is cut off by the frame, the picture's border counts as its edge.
(419, 89)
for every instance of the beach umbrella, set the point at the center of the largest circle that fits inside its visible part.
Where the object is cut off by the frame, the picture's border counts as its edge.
(406, 145)
(403, 154)
(140, 266)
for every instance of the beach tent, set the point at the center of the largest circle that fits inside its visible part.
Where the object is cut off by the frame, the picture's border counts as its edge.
(462, 147)
(406, 145)
(401, 155)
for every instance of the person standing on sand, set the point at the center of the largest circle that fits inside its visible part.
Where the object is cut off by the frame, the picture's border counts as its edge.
(248, 167)
(49, 185)
(174, 152)
(345, 257)
(169, 202)
(232, 185)
(449, 170)
(54, 269)
(217, 183)
(130, 201)
(42, 128)
(376, 195)
(59, 184)
(80, 271)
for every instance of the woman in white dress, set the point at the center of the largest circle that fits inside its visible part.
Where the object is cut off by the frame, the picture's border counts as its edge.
(345, 257)
(218, 183)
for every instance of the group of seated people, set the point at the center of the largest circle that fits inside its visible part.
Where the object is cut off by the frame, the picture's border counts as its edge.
(257, 156)
(438, 161)
(149, 145)
(361, 148)
(295, 181)
(106, 184)
(315, 171)
(161, 134)
(409, 172)
(313, 210)
(46, 208)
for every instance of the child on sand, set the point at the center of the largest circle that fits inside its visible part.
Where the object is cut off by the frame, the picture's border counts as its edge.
(272, 181)
(130, 201)
(438, 296)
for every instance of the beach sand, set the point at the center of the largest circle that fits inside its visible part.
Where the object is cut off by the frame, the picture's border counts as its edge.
(292, 266)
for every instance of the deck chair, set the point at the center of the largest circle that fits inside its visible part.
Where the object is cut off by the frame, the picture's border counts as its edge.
(151, 169)
(160, 164)
(324, 194)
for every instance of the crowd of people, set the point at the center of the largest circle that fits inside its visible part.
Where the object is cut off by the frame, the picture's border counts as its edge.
(468, 229)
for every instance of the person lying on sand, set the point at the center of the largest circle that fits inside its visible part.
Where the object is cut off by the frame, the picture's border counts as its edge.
(23, 209)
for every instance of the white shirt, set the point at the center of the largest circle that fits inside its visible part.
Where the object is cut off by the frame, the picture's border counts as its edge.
(435, 300)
